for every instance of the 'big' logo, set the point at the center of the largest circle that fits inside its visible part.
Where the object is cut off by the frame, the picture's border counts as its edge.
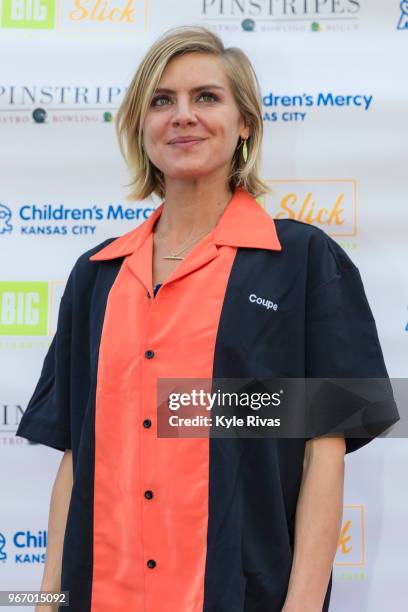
(23, 308)
(30, 14)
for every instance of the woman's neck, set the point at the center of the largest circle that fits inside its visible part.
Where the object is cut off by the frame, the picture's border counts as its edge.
(180, 220)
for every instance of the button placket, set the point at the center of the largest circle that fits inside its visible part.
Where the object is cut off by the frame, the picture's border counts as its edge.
(147, 441)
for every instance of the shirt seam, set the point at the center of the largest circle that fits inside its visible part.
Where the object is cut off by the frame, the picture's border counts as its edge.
(330, 280)
(340, 265)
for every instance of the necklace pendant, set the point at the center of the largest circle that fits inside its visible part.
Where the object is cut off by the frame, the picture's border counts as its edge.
(172, 257)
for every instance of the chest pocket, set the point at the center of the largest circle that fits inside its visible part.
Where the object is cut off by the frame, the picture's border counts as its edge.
(263, 329)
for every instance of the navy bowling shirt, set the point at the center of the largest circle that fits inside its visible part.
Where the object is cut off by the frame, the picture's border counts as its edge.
(196, 524)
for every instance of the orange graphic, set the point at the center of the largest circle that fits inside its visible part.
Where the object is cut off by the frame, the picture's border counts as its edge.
(103, 10)
(344, 539)
(329, 204)
(351, 544)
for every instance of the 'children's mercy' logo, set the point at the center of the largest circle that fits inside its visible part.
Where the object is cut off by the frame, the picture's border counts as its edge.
(403, 20)
(5, 217)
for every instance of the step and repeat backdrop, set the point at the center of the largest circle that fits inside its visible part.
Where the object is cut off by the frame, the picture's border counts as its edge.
(334, 94)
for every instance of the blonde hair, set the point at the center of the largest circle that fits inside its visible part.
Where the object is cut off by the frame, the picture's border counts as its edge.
(147, 178)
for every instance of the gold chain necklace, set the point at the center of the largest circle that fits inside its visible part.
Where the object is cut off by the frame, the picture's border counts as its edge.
(176, 255)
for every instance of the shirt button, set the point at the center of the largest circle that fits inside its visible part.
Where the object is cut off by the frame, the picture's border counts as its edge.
(151, 563)
(148, 294)
(148, 494)
(149, 354)
(147, 423)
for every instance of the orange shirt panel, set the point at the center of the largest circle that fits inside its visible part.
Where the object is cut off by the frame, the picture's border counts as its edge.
(170, 528)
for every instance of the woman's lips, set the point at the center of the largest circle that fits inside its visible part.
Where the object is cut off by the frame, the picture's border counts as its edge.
(186, 145)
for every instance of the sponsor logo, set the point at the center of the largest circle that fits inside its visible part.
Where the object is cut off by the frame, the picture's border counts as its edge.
(3, 554)
(328, 204)
(24, 104)
(295, 108)
(23, 308)
(28, 96)
(403, 20)
(27, 546)
(29, 308)
(10, 415)
(296, 15)
(109, 11)
(5, 218)
(28, 14)
(351, 544)
(51, 219)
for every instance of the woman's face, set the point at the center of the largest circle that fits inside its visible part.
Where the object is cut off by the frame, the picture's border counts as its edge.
(198, 103)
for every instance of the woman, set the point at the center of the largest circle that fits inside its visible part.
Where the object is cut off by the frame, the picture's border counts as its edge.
(208, 287)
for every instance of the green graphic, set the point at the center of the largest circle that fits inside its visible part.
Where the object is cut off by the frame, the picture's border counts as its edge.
(23, 308)
(29, 14)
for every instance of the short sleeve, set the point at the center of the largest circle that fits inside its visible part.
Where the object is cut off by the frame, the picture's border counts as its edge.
(46, 419)
(342, 343)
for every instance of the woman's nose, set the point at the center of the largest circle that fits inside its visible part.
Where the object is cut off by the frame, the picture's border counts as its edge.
(183, 110)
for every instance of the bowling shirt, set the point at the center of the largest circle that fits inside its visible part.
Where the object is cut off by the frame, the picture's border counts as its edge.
(192, 524)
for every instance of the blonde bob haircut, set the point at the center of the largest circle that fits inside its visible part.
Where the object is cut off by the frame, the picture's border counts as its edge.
(147, 179)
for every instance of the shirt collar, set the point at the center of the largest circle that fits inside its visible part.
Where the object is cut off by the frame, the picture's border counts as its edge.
(244, 223)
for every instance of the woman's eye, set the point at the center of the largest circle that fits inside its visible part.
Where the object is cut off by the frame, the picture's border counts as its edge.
(208, 94)
(158, 98)
(205, 94)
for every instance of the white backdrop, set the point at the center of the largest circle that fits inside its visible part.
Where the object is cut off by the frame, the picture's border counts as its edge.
(65, 74)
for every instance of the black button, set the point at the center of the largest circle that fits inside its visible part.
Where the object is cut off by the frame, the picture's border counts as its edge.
(149, 354)
(148, 494)
(151, 563)
(147, 423)
(148, 295)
